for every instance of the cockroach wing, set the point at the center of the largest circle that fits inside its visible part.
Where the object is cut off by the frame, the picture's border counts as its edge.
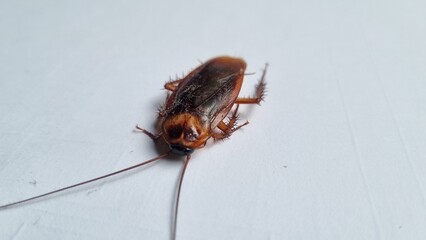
(210, 90)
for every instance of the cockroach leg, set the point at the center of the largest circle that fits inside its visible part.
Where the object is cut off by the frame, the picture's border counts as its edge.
(161, 113)
(230, 127)
(227, 130)
(161, 110)
(153, 136)
(172, 85)
(260, 91)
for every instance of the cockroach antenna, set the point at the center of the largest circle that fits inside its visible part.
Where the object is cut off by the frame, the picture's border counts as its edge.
(196, 109)
(182, 174)
(83, 183)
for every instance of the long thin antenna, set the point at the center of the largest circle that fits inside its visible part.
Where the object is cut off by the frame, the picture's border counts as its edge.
(85, 182)
(182, 174)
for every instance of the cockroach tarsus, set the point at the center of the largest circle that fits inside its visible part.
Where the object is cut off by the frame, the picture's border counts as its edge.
(194, 111)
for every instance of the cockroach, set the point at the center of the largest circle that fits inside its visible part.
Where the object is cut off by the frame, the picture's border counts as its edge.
(197, 108)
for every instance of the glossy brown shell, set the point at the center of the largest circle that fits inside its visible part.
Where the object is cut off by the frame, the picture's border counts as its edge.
(209, 91)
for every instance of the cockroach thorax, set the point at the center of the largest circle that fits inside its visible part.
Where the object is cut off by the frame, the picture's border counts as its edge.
(185, 130)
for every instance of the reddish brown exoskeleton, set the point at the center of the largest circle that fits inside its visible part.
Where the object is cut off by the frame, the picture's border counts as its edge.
(199, 103)
(194, 112)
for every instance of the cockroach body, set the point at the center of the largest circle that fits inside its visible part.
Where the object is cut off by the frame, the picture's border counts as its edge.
(194, 112)
(201, 101)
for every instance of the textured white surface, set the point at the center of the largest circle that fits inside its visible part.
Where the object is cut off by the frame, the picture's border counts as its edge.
(337, 150)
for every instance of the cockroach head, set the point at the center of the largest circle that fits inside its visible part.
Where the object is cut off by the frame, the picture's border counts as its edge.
(179, 150)
(184, 133)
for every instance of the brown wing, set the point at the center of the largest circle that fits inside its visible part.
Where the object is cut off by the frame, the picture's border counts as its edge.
(210, 89)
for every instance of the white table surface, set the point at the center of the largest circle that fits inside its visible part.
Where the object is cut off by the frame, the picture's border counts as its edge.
(337, 150)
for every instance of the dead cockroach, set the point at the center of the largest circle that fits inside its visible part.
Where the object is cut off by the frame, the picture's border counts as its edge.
(194, 112)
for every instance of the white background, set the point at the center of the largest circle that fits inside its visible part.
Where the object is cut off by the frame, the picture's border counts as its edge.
(337, 150)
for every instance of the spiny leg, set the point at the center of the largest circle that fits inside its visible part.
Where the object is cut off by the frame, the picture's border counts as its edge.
(230, 127)
(172, 85)
(260, 91)
(153, 136)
